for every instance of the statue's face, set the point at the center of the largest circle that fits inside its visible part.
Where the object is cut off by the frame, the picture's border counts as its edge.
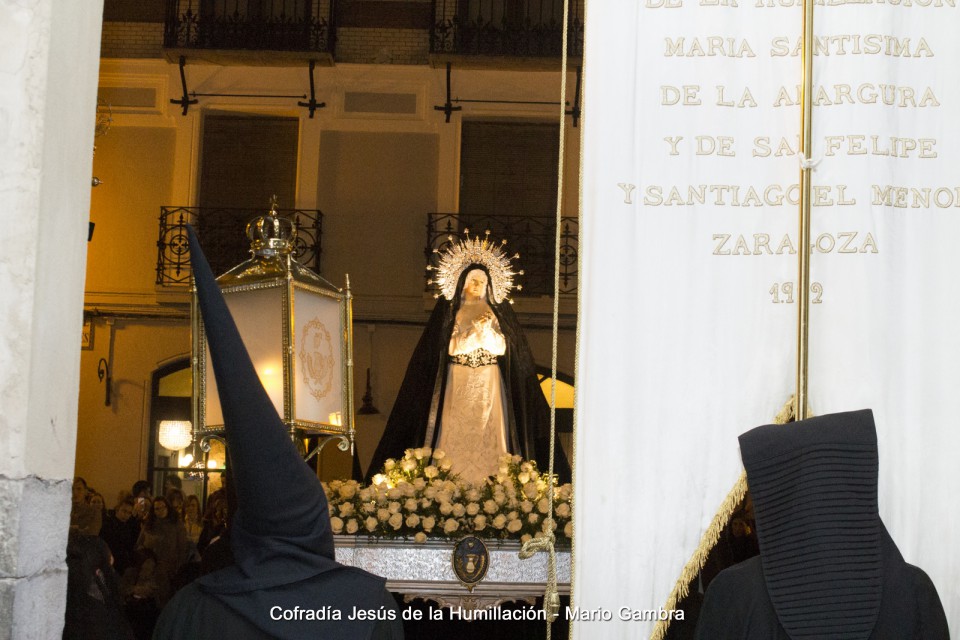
(475, 285)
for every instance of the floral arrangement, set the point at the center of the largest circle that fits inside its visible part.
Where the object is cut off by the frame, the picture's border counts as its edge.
(419, 497)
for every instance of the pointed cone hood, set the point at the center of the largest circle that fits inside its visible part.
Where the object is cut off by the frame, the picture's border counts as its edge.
(814, 489)
(281, 531)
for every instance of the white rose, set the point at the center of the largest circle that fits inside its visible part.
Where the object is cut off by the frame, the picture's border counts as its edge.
(490, 506)
(439, 454)
(430, 472)
(499, 521)
(394, 493)
(370, 524)
(346, 509)
(513, 515)
(389, 464)
(526, 466)
(419, 484)
(428, 523)
(348, 490)
(418, 454)
(411, 504)
(480, 522)
(563, 510)
(568, 529)
(473, 509)
(472, 495)
(383, 515)
(533, 518)
(523, 477)
(446, 508)
(459, 510)
(514, 525)
(420, 537)
(352, 526)
(394, 507)
(543, 506)
(444, 465)
(408, 465)
(530, 490)
(412, 520)
(395, 521)
(450, 526)
(525, 537)
(336, 524)
(549, 524)
(526, 506)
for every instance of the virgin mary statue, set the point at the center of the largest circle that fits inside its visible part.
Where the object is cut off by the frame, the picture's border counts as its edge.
(471, 387)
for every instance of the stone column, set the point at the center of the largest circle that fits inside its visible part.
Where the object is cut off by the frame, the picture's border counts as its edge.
(48, 83)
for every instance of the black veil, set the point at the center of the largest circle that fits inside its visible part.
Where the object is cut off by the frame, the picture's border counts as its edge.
(416, 415)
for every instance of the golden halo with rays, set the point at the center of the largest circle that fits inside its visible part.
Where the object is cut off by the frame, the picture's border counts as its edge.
(475, 251)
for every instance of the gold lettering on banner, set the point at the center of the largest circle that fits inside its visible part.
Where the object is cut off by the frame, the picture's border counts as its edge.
(708, 46)
(735, 195)
(689, 94)
(848, 242)
(746, 98)
(786, 290)
(870, 44)
(915, 197)
(673, 141)
(769, 4)
(865, 93)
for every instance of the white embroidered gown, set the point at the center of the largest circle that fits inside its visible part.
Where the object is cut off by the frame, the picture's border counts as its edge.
(473, 422)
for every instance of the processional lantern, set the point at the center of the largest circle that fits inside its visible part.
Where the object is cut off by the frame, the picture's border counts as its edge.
(297, 328)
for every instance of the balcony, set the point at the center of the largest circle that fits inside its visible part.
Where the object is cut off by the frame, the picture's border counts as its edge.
(534, 238)
(220, 233)
(250, 31)
(529, 32)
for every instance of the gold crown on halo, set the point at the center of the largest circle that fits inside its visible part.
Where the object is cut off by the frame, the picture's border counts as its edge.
(475, 251)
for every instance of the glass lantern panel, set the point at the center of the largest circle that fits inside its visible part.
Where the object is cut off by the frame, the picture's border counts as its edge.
(259, 318)
(318, 358)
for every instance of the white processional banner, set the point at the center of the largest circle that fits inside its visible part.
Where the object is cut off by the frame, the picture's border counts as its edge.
(688, 301)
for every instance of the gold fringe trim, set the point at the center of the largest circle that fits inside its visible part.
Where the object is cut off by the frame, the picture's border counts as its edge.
(710, 537)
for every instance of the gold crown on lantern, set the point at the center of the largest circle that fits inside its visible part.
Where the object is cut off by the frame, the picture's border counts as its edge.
(474, 251)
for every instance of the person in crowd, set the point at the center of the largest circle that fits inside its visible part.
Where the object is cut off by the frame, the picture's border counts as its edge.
(175, 500)
(172, 481)
(141, 489)
(140, 591)
(84, 518)
(214, 519)
(192, 520)
(121, 498)
(120, 531)
(94, 606)
(164, 535)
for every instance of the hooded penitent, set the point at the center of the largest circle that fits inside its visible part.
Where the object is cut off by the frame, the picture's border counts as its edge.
(280, 534)
(827, 567)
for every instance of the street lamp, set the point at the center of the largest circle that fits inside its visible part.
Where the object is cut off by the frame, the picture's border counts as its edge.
(297, 328)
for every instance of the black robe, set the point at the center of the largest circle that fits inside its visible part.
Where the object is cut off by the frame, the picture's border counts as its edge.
(417, 411)
(827, 569)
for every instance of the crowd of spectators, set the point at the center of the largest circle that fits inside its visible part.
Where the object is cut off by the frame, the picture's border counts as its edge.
(125, 563)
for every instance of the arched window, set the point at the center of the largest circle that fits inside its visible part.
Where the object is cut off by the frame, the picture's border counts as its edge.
(175, 458)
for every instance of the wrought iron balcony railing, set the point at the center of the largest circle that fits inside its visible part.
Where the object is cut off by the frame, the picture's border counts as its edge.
(515, 28)
(534, 238)
(260, 25)
(221, 232)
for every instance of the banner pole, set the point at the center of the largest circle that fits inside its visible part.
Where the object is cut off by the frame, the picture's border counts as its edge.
(806, 171)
